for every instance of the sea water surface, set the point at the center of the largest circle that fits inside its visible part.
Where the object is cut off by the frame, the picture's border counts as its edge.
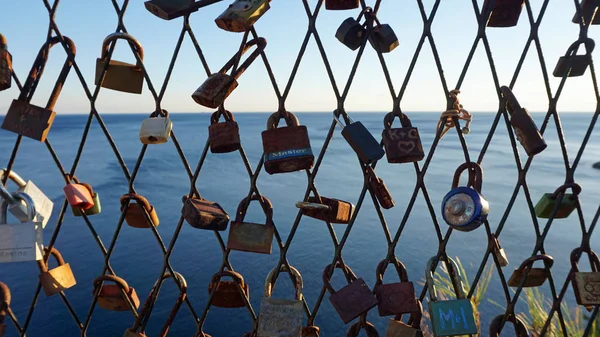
(137, 255)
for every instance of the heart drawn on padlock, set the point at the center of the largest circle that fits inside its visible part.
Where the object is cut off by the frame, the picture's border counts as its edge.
(406, 146)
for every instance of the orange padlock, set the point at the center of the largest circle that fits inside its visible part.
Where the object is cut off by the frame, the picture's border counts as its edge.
(78, 194)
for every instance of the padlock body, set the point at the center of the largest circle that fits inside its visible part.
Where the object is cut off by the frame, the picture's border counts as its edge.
(505, 13)
(250, 237)
(350, 33)
(544, 207)
(169, 9)
(474, 211)
(78, 196)
(340, 211)
(396, 298)
(111, 298)
(155, 130)
(383, 195)
(399, 329)
(362, 142)
(224, 137)
(527, 132)
(28, 120)
(535, 278)
(215, 89)
(452, 318)
(587, 7)
(287, 149)
(43, 205)
(96, 209)
(135, 216)
(384, 38)
(204, 214)
(120, 76)
(227, 295)
(402, 145)
(587, 288)
(336, 5)
(21, 242)
(5, 69)
(58, 279)
(500, 255)
(280, 317)
(579, 64)
(353, 300)
(242, 14)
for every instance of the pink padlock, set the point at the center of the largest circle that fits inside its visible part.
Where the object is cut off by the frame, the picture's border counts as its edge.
(79, 194)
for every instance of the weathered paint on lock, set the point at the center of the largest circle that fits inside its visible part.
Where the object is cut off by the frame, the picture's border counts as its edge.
(170, 9)
(5, 65)
(227, 293)
(286, 149)
(111, 298)
(252, 237)
(586, 285)
(378, 187)
(43, 204)
(57, 279)
(535, 277)
(22, 241)
(505, 13)
(224, 137)
(155, 130)
(395, 298)
(351, 33)
(242, 15)
(120, 76)
(204, 214)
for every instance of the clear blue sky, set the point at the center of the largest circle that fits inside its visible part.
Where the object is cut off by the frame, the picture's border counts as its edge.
(24, 23)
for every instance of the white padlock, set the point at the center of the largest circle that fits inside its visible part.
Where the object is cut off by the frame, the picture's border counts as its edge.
(23, 241)
(43, 204)
(156, 130)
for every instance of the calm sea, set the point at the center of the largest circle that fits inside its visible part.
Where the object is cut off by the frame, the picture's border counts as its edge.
(162, 179)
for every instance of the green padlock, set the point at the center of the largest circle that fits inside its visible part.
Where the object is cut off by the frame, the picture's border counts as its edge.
(544, 207)
(91, 211)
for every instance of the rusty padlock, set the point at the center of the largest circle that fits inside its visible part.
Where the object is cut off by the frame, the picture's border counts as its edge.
(252, 237)
(370, 330)
(377, 186)
(171, 9)
(30, 120)
(586, 285)
(525, 129)
(79, 195)
(545, 207)
(498, 251)
(4, 306)
(120, 76)
(337, 5)
(382, 37)
(505, 13)
(520, 327)
(397, 328)
(111, 297)
(157, 128)
(58, 279)
(135, 212)
(588, 8)
(279, 316)
(351, 32)
(352, 300)
(224, 137)
(204, 214)
(395, 298)
(5, 65)
(360, 139)
(311, 331)
(329, 209)
(241, 15)
(286, 149)
(572, 64)
(227, 293)
(534, 277)
(464, 208)
(217, 87)
(402, 145)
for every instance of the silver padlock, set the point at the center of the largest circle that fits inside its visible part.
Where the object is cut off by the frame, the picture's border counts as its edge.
(23, 241)
(156, 129)
(43, 204)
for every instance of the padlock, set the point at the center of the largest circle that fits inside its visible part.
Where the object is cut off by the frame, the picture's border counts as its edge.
(520, 327)
(395, 298)
(464, 208)
(252, 237)
(534, 277)
(120, 76)
(402, 145)
(328, 210)
(370, 330)
(451, 317)
(505, 13)
(588, 8)
(79, 195)
(224, 137)
(96, 209)
(204, 214)
(359, 139)
(4, 306)
(382, 37)
(311, 331)
(337, 5)
(279, 316)
(22, 241)
(351, 32)
(5, 65)
(573, 65)
(397, 328)
(30, 120)
(352, 300)
(241, 15)
(43, 204)
(111, 296)
(586, 285)
(286, 149)
(58, 279)
(377, 186)
(498, 251)
(227, 293)
(171, 9)
(135, 212)
(217, 87)
(525, 129)
(545, 207)
(157, 128)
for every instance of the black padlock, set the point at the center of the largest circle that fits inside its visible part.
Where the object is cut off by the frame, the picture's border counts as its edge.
(351, 33)
(578, 64)
(383, 38)
(360, 139)
(588, 7)
(525, 129)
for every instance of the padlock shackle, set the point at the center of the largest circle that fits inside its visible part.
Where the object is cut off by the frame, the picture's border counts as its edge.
(112, 278)
(594, 259)
(547, 259)
(364, 12)
(89, 188)
(237, 278)
(475, 178)
(369, 328)
(328, 272)
(214, 118)
(382, 266)
(18, 196)
(14, 177)
(415, 316)
(512, 104)
(388, 120)
(290, 119)
(298, 283)
(138, 198)
(452, 269)
(160, 113)
(589, 47)
(337, 113)
(129, 38)
(520, 327)
(57, 256)
(576, 188)
(260, 43)
(241, 211)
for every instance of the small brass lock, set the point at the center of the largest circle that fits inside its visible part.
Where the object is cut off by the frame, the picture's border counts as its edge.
(5, 298)
(520, 327)
(227, 293)
(359, 139)
(402, 145)
(498, 251)
(464, 208)
(586, 285)
(328, 210)
(525, 129)
(241, 15)
(5, 65)
(43, 204)
(588, 8)
(172, 9)
(378, 187)
(224, 137)
(252, 237)
(351, 32)
(573, 65)
(534, 277)
(505, 13)
(546, 205)
(286, 149)
(58, 279)
(120, 76)
(156, 129)
(395, 298)
(135, 212)
(111, 298)
(382, 37)
(336, 5)
(204, 214)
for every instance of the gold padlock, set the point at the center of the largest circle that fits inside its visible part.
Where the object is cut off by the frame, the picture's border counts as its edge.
(58, 279)
(135, 213)
(119, 75)
(242, 14)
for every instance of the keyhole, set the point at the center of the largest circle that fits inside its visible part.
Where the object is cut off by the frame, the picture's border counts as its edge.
(457, 207)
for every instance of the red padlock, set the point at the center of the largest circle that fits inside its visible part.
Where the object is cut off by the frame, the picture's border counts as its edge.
(78, 194)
